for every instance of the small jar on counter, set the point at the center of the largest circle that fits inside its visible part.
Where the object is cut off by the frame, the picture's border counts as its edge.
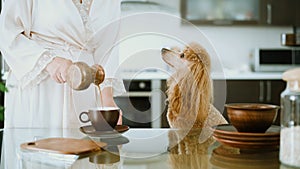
(290, 119)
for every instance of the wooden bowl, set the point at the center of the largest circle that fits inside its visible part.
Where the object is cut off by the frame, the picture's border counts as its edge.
(251, 117)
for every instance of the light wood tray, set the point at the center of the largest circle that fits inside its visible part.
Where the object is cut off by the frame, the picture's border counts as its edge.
(64, 146)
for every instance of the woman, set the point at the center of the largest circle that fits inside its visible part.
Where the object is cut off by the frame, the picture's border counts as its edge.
(39, 41)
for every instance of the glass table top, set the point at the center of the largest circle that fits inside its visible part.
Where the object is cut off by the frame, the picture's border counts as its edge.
(134, 149)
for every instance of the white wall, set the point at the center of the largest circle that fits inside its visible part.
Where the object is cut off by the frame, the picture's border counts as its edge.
(232, 44)
(235, 44)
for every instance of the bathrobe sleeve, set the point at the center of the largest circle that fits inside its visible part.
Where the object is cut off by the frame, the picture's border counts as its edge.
(19, 51)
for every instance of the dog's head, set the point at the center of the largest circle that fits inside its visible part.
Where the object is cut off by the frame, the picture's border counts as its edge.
(192, 54)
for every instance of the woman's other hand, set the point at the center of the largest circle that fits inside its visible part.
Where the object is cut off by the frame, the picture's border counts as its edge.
(57, 69)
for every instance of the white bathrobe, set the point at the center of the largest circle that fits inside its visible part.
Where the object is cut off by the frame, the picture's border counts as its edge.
(32, 33)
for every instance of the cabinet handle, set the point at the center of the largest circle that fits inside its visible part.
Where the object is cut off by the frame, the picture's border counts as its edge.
(261, 91)
(269, 93)
(269, 13)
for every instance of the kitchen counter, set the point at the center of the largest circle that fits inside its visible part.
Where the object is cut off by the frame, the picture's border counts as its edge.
(158, 87)
(137, 148)
(230, 75)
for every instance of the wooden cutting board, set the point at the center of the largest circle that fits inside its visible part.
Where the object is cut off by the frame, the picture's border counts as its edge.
(64, 146)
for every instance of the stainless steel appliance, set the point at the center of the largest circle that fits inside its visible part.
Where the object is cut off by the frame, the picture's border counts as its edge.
(142, 104)
(136, 105)
(275, 59)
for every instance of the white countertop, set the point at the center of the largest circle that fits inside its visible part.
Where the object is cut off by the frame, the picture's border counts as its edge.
(160, 75)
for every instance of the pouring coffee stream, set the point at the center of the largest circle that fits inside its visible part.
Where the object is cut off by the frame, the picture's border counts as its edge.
(80, 76)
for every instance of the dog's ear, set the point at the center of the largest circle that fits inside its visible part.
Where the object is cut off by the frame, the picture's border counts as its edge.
(201, 53)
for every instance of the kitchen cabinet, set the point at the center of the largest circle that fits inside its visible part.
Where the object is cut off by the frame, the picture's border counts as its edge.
(253, 91)
(220, 12)
(241, 12)
(279, 12)
(129, 7)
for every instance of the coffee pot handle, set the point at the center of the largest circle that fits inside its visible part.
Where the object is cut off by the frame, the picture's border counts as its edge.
(82, 120)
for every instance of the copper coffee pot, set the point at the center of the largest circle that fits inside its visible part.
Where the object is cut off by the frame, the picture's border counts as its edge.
(80, 75)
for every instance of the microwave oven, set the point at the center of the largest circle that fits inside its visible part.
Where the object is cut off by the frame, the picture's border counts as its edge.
(275, 59)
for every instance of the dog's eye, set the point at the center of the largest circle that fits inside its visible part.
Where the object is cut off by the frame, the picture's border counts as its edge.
(182, 55)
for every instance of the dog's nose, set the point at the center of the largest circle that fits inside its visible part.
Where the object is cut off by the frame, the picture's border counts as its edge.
(164, 50)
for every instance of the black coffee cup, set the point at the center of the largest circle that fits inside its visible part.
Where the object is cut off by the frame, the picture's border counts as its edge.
(102, 118)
